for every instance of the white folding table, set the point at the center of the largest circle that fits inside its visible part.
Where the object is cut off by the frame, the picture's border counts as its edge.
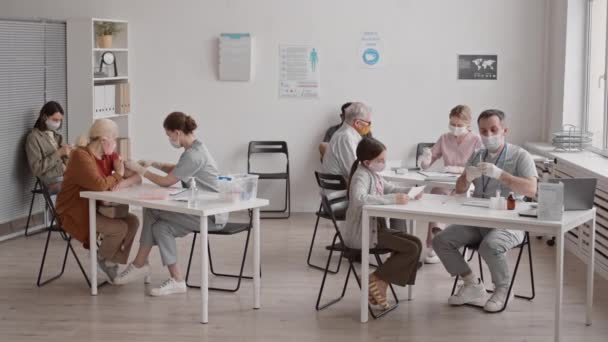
(449, 209)
(209, 204)
(413, 178)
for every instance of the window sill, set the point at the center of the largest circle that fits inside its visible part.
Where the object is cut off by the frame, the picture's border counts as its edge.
(590, 161)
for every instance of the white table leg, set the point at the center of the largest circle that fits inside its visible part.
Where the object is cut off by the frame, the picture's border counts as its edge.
(204, 270)
(364, 265)
(410, 288)
(93, 245)
(590, 271)
(256, 258)
(559, 279)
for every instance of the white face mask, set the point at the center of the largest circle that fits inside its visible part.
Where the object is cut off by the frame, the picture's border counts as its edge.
(376, 166)
(52, 125)
(458, 131)
(493, 142)
(174, 143)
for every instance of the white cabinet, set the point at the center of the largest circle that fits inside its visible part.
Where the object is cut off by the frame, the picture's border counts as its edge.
(583, 165)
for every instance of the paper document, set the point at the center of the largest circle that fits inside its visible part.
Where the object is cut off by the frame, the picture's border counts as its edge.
(550, 201)
(478, 203)
(415, 191)
(432, 174)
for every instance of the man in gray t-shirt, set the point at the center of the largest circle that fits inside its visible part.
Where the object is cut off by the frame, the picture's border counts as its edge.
(499, 167)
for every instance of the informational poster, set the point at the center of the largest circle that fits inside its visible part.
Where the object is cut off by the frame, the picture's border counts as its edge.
(299, 73)
(371, 50)
(235, 55)
(477, 67)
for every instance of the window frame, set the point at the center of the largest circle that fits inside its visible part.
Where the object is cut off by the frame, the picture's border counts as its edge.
(589, 24)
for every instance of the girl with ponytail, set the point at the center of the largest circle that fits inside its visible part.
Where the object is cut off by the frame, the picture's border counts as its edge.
(366, 186)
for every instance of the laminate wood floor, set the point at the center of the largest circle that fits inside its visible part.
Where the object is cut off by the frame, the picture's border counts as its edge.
(64, 310)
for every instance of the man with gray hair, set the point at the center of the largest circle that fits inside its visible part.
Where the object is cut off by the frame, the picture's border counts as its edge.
(499, 168)
(340, 154)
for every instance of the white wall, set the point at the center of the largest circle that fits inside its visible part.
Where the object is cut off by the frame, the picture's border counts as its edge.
(574, 96)
(174, 53)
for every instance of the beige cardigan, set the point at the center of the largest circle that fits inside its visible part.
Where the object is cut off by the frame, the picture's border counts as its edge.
(362, 192)
(42, 156)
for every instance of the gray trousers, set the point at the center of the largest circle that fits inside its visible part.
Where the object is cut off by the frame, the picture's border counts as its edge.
(493, 247)
(162, 227)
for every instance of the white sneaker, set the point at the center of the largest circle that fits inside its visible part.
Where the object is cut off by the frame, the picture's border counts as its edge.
(497, 301)
(469, 294)
(169, 286)
(431, 257)
(132, 273)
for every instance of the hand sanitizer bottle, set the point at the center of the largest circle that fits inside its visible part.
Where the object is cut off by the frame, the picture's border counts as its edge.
(193, 193)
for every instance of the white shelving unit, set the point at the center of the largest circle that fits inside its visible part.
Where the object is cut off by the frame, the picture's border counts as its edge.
(83, 59)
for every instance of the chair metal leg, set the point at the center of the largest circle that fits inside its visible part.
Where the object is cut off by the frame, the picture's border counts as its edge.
(312, 242)
(29, 215)
(318, 306)
(84, 273)
(68, 248)
(533, 288)
(286, 208)
(239, 276)
(65, 259)
(190, 263)
(480, 266)
(37, 187)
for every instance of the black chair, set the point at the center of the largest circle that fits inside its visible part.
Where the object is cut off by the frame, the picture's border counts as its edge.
(420, 147)
(229, 229)
(55, 226)
(521, 246)
(350, 254)
(328, 183)
(37, 190)
(273, 147)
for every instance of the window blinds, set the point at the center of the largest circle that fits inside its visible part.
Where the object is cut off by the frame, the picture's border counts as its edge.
(32, 71)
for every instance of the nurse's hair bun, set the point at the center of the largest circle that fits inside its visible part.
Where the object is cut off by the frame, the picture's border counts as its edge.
(180, 121)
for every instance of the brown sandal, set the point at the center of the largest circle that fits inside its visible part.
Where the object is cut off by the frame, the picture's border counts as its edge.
(375, 293)
(371, 299)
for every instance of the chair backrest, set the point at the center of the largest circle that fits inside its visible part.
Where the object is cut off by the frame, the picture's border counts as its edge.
(328, 181)
(267, 147)
(332, 203)
(420, 147)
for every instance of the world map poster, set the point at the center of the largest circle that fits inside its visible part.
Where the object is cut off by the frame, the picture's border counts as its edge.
(477, 67)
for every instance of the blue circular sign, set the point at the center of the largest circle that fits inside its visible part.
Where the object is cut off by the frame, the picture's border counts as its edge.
(370, 56)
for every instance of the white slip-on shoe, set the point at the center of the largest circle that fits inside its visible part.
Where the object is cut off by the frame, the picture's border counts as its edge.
(169, 286)
(497, 301)
(469, 294)
(431, 257)
(132, 273)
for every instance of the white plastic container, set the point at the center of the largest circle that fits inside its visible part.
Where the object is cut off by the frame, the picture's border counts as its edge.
(238, 187)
